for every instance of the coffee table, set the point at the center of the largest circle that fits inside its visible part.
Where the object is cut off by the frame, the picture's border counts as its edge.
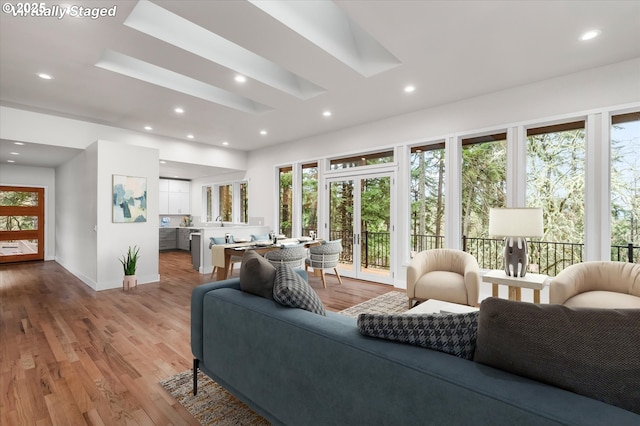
(432, 306)
(536, 282)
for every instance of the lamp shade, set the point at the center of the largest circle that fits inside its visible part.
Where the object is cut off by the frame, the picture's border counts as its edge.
(516, 222)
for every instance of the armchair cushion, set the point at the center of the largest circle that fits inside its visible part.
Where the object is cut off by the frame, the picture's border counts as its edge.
(589, 351)
(454, 334)
(257, 275)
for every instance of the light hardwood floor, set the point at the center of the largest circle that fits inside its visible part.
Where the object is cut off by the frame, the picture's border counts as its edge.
(71, 356)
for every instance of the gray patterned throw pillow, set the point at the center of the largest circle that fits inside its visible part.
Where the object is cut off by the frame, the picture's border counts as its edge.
(290, 289)
(454, 334)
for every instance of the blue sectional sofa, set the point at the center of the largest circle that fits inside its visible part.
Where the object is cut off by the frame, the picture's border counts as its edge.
(297, 368)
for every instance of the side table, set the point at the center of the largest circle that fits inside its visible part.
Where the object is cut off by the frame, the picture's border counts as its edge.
(536, 282)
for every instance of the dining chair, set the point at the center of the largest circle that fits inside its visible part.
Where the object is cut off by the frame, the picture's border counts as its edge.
(293, 256)
(216, 244)
(325, 256)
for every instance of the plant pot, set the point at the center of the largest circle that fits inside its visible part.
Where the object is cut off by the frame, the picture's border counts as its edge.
(129, 282)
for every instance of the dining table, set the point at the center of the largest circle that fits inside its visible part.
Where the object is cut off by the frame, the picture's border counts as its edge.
(227, 251)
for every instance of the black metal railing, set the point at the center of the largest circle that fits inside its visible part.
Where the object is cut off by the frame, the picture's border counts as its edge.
(545, 257)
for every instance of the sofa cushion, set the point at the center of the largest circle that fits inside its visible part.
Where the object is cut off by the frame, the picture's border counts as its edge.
(589, 351)
(257, 275)
(454, 334)
(290, 289)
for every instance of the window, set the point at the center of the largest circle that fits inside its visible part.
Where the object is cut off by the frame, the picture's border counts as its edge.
(285, 200)
(556, 182)
(625, 187)
(427, 196)
(309, 198)
(362, 160)
(225, 202)
(244, 202)
(484, 170)
(228, 202)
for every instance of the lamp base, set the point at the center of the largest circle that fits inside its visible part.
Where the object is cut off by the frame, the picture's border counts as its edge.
(516, 259)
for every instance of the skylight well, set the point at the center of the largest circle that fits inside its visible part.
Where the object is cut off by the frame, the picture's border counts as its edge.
(164, 25)
(136, 68)
(327, 26)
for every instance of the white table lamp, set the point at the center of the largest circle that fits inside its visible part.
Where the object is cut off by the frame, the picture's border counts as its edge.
(515, 224)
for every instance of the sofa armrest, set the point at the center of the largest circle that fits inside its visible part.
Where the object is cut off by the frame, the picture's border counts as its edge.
(197, 298)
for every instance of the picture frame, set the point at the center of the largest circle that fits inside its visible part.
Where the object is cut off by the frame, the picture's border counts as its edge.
(129, 199)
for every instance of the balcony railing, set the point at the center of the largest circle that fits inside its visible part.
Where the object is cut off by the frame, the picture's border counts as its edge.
(545, 257)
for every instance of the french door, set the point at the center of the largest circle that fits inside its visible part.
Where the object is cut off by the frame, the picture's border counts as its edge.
(360, 214)
(21, 224)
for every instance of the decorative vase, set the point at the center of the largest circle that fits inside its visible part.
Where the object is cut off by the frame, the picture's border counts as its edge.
(129, 282)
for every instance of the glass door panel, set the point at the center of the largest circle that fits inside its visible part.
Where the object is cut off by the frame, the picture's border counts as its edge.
(360, 214)
(341, 219)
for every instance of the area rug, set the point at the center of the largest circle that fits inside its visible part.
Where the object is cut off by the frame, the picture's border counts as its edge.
(215, 406)
(212, 405)
(394, 302)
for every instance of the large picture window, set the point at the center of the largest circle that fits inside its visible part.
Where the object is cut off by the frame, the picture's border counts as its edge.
(427, 196)
(625, 187)
(556, 183)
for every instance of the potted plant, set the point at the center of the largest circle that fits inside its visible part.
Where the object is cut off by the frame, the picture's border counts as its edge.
(129, 264)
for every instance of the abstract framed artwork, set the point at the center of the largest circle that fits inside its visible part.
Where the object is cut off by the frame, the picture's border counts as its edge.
(129, 199)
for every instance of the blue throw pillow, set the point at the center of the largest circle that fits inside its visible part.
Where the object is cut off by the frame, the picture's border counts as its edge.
(454, 334)
(290, 289)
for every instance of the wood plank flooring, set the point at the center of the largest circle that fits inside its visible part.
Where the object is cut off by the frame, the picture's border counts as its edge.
(71, 356)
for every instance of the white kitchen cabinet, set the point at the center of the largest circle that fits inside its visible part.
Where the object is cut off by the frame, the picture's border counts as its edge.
(175, 197)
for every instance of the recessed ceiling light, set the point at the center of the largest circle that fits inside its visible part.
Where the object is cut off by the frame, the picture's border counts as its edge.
(148, 128)
(18, 143)
(240, 78)
(327, 113)
(409, 88)
(163, 162)
(44, 76)
(10, 161)
(176, 176)
(263, 132)
(590, 35)
(225, 143)
(179, 110)
(190, 136)
(14, 153)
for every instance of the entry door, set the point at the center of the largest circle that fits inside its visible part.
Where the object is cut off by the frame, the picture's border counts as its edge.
(360, 214)
(21, 224)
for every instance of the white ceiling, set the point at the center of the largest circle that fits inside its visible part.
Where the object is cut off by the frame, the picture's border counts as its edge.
(449, 50)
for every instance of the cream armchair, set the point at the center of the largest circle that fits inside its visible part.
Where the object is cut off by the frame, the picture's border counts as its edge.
(597, 284)
(444, 274)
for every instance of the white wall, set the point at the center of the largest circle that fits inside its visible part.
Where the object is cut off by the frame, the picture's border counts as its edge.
(13, 175)
(599, 88)
(75, 213)
(114, 238)
(33, 127)
(89, 244)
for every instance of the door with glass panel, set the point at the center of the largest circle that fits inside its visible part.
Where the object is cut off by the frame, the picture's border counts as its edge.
(21, 224)
(360, 214)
